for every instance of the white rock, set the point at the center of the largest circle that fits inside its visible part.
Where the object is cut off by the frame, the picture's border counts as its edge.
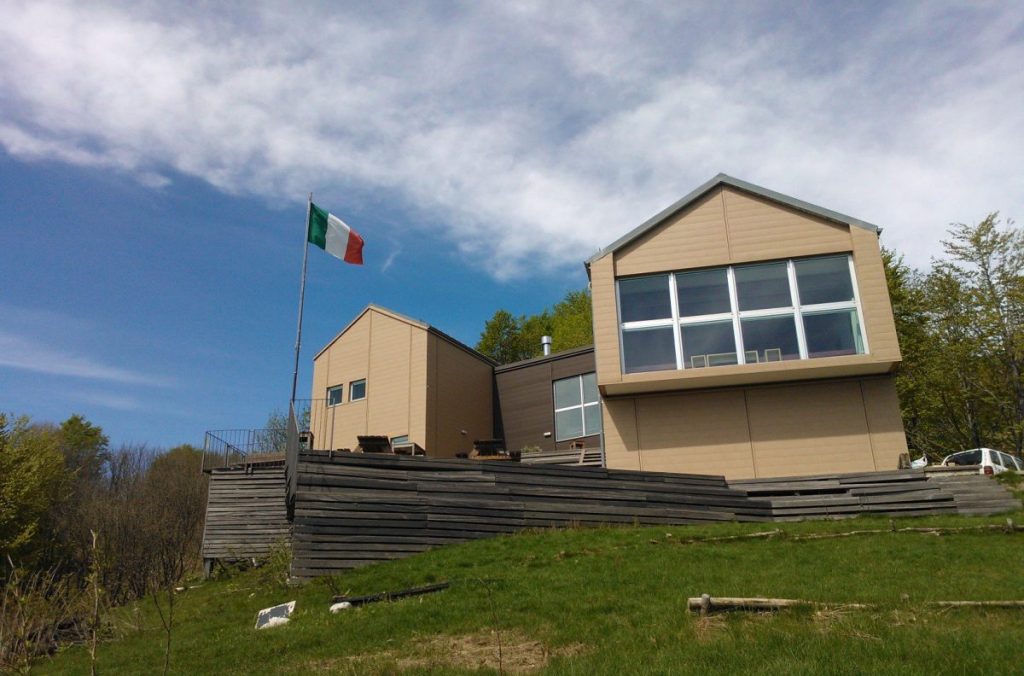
(274, 616)
(338, 607)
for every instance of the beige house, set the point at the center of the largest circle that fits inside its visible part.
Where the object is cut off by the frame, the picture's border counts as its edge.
(739, 332)
(386, 374)
(746, 333)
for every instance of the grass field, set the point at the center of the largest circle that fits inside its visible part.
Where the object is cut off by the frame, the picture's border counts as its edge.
(613, 601)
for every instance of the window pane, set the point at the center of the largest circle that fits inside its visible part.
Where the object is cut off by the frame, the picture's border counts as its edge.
(763, 286)
(567, 392)
(357, 390)
(569, 424)
(334, 395)
(708, 345)
(824, 280)
(590, 393)
(592, 416)
(830, 334)
(649, 350)
(705, 292)
(644, 298)
(771, 338)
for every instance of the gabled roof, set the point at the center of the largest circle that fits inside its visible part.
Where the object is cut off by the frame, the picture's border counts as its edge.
(407, 320)
(725, 179)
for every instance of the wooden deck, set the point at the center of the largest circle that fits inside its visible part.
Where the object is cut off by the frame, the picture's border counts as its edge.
(245, 513)
(353, 509)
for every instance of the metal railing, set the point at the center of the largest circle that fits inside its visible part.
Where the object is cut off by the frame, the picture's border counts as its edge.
(314, 424)
(224, 448)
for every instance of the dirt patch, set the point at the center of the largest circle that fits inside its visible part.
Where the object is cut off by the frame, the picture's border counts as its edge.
(510, 651)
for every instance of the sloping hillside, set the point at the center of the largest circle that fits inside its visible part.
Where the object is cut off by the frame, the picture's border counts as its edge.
(613, 600)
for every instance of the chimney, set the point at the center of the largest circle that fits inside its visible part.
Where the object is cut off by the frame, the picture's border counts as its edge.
(545, 341)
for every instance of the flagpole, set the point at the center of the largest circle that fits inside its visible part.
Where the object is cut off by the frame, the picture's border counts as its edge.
(302, 297)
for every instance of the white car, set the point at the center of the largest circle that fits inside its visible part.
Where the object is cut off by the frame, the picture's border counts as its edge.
(989, 460)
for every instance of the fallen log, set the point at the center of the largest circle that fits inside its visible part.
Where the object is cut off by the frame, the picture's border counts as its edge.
(705, 604)
(976, 604)
(1009, 528)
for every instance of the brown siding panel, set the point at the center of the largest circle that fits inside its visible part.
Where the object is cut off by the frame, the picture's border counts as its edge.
(388, 377)
(695, 433)
(874, 297)
(464, 390)
(882, 406)
(764, 230)
(810, 428)
(606, 320)
(526, 398)
(621, 448)
(695, 238)
(848, 425)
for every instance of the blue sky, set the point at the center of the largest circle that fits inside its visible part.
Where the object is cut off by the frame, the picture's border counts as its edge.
(154, 163)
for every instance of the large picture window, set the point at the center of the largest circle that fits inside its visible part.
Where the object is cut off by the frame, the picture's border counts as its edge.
(577, 407)
(743, 314)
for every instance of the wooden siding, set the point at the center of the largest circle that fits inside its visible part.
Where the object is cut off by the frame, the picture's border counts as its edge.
(606, 320)
(621, 446)
(462, 403)
(885, 424)
(245, 513)
(390, 354)
(760, 229)
(775, 430)
(354, 509)
(711, 426)
(526, 399)
(694, 238)
(880, 326)
(809, 429)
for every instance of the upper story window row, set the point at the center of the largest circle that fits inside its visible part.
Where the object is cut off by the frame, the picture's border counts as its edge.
(743, 314)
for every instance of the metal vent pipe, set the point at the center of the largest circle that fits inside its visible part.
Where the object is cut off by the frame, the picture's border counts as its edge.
(545, 342)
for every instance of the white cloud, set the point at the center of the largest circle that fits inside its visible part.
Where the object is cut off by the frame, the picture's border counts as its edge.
(535, 132)
(25, 354)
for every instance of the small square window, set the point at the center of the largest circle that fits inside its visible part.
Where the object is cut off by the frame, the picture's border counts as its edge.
(334, 395)
(357, 390)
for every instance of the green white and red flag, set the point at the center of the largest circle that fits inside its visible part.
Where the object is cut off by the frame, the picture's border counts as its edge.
(334, 236)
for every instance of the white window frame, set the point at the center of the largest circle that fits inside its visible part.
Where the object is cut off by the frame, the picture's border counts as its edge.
(796, 310)
(352, 385)
(336, 388)
(581, 406)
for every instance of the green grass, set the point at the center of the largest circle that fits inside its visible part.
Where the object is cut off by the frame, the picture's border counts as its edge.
(613, 601)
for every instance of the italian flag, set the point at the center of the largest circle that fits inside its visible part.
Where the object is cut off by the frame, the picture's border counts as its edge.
(333, 235)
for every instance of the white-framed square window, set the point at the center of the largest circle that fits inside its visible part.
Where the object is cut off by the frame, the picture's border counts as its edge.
(334, 395)
(577, 407)
(357, 390)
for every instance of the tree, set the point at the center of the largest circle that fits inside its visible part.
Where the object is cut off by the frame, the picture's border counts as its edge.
(84, 446)
(500, 339)
(987, 262)
(33, 481)
(506, 338)
(573, 321)
(960, 330)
